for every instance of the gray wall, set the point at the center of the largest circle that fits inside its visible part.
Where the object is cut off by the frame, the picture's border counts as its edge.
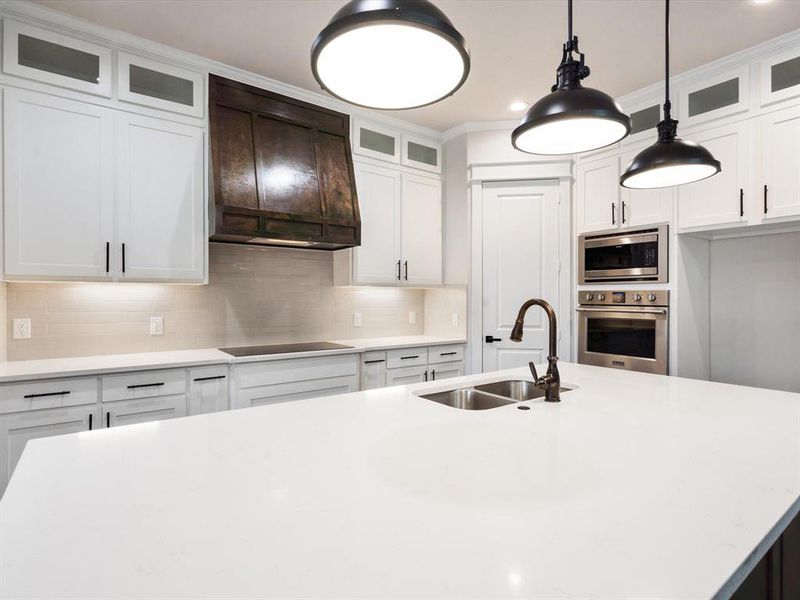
(755, 311)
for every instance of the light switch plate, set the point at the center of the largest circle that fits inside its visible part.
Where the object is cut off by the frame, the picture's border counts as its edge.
(356, 319)
(156, 325)
(22, 329)
(412, 317)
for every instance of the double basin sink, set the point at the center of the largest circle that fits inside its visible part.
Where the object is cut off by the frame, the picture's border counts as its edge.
(489, 395)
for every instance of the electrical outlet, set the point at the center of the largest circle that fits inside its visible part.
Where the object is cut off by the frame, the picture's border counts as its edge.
(412, 317)
(156, 325)
(356, 319)
(454, 319)
(22, 329)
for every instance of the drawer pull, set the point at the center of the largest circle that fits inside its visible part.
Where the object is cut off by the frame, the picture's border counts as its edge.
(64, 393)
(144, 385)
(108, 419)
(372, 362)
(409, 357)
(90, 420)
(206, 378)
(447, 353)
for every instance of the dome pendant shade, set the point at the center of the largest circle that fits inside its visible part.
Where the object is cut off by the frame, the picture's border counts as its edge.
(669, 162)
(571, 120)
(390, 54)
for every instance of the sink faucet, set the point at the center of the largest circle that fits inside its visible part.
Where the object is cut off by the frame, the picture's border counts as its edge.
(550, 382)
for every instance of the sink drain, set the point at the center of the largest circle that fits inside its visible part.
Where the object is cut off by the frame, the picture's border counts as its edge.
(523, 408)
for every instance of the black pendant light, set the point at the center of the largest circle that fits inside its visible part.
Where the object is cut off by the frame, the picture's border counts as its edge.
(670, 161)
(390, 54)
(572, 118)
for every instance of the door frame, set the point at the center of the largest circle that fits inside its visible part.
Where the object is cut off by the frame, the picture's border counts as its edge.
(477, 175)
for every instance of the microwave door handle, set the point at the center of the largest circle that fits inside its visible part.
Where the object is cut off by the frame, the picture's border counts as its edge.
(617, 241)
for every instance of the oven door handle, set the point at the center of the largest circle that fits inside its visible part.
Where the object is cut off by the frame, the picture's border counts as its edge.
(634, 310)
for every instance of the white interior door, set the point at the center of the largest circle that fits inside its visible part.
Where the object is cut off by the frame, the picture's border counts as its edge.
(520, 261)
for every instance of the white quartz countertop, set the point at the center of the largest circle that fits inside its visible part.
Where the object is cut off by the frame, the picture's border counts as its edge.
(22, 370)
(634, 486)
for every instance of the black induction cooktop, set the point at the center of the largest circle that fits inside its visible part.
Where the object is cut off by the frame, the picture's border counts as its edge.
(283, 348)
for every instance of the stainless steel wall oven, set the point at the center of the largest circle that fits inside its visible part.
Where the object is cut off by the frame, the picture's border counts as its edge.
(624, 329)
(635, 255)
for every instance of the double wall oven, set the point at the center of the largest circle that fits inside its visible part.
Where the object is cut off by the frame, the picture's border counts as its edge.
(635, 255)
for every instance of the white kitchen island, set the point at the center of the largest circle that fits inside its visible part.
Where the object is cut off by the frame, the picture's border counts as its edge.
(633, 486)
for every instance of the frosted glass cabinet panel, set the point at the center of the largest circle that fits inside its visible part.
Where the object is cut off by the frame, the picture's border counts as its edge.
(780, 76)
(52, 58)
(712, 98)
(376, 141)
(422, 153)
(645, 119)
(151, 83)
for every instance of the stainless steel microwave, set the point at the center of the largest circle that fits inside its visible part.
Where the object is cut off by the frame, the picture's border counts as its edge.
(633, 255)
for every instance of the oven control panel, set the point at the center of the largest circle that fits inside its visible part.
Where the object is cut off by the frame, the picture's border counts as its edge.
(624, 297)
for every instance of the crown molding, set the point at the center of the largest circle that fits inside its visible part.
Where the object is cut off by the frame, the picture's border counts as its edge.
(472, 126)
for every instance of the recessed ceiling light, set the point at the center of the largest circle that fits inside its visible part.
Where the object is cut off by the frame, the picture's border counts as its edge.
(761, 1)
(518, 106)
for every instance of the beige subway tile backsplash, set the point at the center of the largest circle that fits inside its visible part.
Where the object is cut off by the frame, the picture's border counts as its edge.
(254, 296)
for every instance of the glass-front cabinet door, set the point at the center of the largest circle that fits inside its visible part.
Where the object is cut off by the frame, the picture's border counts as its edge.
(167, 87)
(43, 55)
(422, 153)
(725, 94)
(780, 76)
(376, 141)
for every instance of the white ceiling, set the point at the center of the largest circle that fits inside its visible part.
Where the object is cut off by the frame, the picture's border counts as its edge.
(515, 44)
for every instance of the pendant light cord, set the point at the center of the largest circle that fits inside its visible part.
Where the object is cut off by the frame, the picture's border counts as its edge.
(569, 20)
(667, 104)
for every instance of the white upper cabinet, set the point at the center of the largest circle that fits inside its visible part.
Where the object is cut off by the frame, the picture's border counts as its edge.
(58, 188)
(780, 76)
(151, 83)
(422, 153)
(723, 198)
(43, 55)
(376, 141)
(643, 207)
(722, 95)
(160, 194)
(645, 115)
(779, 182)
(597, 194)
(421, 230)
(377, 260)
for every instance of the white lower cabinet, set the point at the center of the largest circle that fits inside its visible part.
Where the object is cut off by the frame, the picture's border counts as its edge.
(446, 371)
(143, 410)
(208, 390)
(406, 375)
(373, 370)
(268, 382)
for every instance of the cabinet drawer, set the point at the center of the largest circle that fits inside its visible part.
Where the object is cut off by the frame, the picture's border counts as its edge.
(297, 390)
(147, 384)
(440, 354)
(295, 369)
(52, 393)
(407, 357)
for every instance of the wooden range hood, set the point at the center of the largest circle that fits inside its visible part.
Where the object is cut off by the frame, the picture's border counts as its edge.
(282, 170)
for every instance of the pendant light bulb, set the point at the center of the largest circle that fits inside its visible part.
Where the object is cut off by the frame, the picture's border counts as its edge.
(572, 118)
(670, 161)
(390, 54)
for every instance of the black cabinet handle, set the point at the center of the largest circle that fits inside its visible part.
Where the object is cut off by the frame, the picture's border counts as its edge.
(398, 270)
(372, 362)
(64, 393)
(406, 267)
(613, 213)
(91, 415)
(490, 339)
(741, 202)
(123, 257)
(433, 375)
(450, 353)
(426, 376)
(408, 357)
(108, 254)
(623, 211)
(144, 385)
(199, 379)
(765, 198)
(108, 419)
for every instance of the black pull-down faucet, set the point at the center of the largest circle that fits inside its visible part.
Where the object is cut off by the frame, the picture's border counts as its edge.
(550, 382)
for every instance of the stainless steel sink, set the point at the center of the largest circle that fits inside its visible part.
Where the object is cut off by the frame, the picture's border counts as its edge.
(489, 395)
(516, 389)
(468, 399)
